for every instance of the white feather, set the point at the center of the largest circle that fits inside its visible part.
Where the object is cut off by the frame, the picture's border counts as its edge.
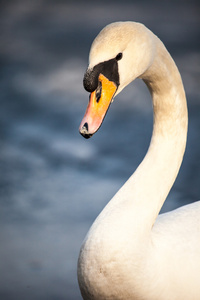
(130, 252)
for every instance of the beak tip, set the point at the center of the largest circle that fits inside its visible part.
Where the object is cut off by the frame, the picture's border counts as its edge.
(84, 131)
(86, 136)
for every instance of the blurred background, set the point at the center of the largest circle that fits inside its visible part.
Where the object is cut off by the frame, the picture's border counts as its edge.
(53, 183)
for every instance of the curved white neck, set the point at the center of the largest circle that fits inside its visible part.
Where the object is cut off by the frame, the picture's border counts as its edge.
(139, 201)
(117, 256)
(164, 158)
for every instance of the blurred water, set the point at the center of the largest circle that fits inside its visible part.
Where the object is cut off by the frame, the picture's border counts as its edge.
(49, 174)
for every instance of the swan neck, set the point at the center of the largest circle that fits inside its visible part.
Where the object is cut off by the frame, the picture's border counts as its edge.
(160, 167)
(137, 204)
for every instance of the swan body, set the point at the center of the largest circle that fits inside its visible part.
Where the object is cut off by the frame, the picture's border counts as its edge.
(130, 252)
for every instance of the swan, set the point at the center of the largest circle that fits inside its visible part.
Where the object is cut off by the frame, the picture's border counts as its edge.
(131, 252)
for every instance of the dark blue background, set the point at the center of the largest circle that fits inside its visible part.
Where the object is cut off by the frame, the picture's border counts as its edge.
(53, 183)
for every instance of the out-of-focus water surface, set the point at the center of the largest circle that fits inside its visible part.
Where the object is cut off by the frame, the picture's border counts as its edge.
(53, 183)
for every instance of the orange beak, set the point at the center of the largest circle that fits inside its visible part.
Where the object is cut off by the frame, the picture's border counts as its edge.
(97, 108)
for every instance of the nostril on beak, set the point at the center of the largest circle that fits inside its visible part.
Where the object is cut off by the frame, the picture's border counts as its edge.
(84, 131)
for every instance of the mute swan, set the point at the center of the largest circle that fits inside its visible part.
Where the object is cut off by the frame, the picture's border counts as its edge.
(130, 252)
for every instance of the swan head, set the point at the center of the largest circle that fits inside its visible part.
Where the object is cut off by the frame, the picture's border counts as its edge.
(121, 52)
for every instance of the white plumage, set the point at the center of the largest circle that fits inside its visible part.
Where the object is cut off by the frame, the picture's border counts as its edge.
(130, 252)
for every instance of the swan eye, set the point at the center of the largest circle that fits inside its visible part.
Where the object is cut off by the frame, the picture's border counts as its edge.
(119, 56)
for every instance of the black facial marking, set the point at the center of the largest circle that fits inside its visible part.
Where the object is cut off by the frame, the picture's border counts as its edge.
(98, 91)
(119, 56)
(108, 68)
